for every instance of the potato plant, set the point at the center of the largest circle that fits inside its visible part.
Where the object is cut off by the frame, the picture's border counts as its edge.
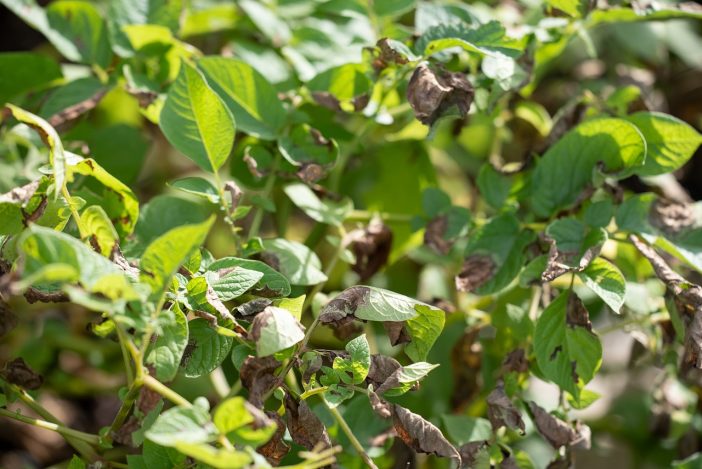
(390, 233)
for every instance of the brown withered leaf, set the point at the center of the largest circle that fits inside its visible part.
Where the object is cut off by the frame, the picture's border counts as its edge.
(258, 377)
(560, 463)
(431, 94)
(235, 193)
(557, 432)
(371, 246)
(421, 435)
(389, 55)
(509, 462)
(434, 234)
(253, 307)
(382, 408)
(671, 217)
(470, 452)
(561, 262)
(397, 332)
(502, 412)
(275, 449)
(360, 102)
(8, 320)
(466, 359)
(18, 372)
(310, 173)
(381, 368)
(326, 99)
(477, 270)
(576, 313)
(305, 427)
(516, 361)
(20, 195)
(340, 310)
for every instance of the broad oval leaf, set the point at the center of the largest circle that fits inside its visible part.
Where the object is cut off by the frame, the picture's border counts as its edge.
(323, 211)
(251, 99)
(274, 330)
(24, 71)
(167, 352)
(98, 227)
(670, 142)
(197, 186)
(567, 167)
(296, 261)
(196, 122)
(182, 424)
(208, 349)
(234, 276)
(605, 279)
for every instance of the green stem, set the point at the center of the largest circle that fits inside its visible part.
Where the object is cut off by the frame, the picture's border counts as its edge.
(123, 339)
(60, 429)
(83, 448)
(352, 438)
(156, 386)
(125, 408)
(364, 215)
(267, 189)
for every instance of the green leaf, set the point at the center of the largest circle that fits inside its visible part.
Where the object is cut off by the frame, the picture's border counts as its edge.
(295, 261)
(118, 200)
(354, 369)
(80, 23)
(214, 457)
(338, 87)
(587, 398)
(231, 415)
(462, 429)
(573, 8)
(251, 99)
(57, 157)
(628, 15)
(327, 211)
(197, 186)
(574, 238)
(196, 122)
(494, 186)
(293, 305)
(424, 329)
(137, 12)
(567, 354)
(567, 167)
(71, 94)
(99, 229)
(275, 330)
(209, 349)
(502, 242)
(76, 463)
(167, 352)
(236, 274)
(24, 72)
(407, 376)
(486, 39)
(670, 142)
(605, 279)
(182, 424)
(168, 252)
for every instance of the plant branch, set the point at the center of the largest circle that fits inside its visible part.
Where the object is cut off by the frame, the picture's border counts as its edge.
(267, 189)
(62, 430)
(352, 438)
(156, 386)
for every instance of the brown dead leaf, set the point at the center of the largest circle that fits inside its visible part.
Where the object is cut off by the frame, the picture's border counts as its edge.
(561, 262)
(371, 246)
(434, 234)
(431, 94)
(470, 453)
(305, 427)
(382, 408)
(516, 361)
(341, 309)
(421, 435)
(557, 432)
(253, 307)
(275, 449)
(671, 217)
(576, 313)
(258, 377)
(235, 193)
(397, 332)
(381, 368)
(18, 372)
(477, 270)
(502, 412)
(310, 173)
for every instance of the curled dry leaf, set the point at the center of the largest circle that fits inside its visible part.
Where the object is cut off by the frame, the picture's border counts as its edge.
(381, 407)
(18, 372)
(431, 94)
(576, 313)
(671, 217)
(388, 55)
(397, 332)
(477, 270)
(561, 262)
(326, 99)
(516, 361)
(421, 435)
(434, 234)
(235, 193)
(470, 452)
(305, 427)
(258, 377)
(381, 369)
(253, 307)
(310, 173)
(275, 449)
(8, 320)
(557, 432)
(339, 311)
(502, 412)
(20, 195)
(371, 246)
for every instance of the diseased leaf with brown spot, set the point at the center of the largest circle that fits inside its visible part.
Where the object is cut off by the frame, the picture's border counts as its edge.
(516, 361)
(381, 407)
(339, 311)
(258, 377)
(310, 173)
(576, 313)
(381, 368)
(275, 449)
(305, 427)
(421, 435)
(434, 234)
(470, 452)
(8, 320)
(18, 372)
(477, 270)
(557, 432)
(502, 412)
(371, 246)
(560, 463)
(431, 94)
(466, 360)
(397, 332)
(253, 307)
(388, 54)
(509, 462)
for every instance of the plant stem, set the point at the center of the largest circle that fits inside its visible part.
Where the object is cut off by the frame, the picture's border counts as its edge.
(365, 215)
(156, 386)
(352, 438)
(125, 408)
(267, 189)
(83, 448)
(123, 340)
(65, 431)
